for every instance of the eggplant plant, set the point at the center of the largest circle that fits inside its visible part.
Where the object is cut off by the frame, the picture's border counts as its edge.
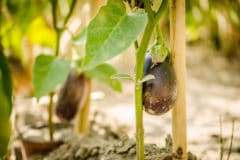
(112, 31)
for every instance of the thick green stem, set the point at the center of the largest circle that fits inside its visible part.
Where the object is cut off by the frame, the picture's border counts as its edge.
(50, 123)
(140, 55)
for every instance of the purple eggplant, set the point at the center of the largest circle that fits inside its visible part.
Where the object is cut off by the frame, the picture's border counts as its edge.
(159, 94)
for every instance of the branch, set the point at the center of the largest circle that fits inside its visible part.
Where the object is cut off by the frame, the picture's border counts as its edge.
(54, 13)
(70, 12)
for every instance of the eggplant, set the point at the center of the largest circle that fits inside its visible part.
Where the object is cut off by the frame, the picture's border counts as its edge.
(159, 94)
(71, 96)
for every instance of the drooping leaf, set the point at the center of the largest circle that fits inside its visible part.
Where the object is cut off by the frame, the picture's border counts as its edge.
(122, 76)
(103, 74)
(111, 32)
(147, 78)
(48, 72)
(81, 38)
(5, 104)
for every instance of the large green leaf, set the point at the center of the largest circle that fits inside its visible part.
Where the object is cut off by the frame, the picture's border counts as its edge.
(48, 72)
(111, 32)
(5, 104)
(103, 74)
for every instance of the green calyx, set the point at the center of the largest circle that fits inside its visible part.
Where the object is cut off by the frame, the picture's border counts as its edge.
(159, 51)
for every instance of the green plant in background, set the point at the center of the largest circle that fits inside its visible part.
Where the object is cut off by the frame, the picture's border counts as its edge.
(5, 103)
(24, 20)
(50, 71)
(221, 19)
(24, 25)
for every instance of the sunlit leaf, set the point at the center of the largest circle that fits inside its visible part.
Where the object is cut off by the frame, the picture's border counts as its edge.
(103, 74)
(122, 76)
(48, 72)
(111, 32)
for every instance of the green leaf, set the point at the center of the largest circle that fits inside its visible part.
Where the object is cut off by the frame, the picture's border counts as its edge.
(5, 104)
(103, 74)
(48, 72)
(122, 76)
(147, 78)
(81, 38)
(111, 32)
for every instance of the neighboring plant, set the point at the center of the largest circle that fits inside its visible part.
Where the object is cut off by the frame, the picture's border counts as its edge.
(5, 103)
(52, 70)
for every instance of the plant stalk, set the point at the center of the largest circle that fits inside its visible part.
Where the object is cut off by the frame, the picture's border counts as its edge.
(58, 34)
(177, 43)
(140, 56)
(50, 122)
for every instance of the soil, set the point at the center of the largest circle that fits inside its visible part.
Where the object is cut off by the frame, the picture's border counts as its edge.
(110, 146)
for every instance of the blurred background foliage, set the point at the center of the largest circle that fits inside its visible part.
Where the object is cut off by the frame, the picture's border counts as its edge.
(26, 30)
(218, 21)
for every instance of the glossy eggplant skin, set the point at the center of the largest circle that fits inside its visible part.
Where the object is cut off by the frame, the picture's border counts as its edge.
(159, 94)
(70, 96)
